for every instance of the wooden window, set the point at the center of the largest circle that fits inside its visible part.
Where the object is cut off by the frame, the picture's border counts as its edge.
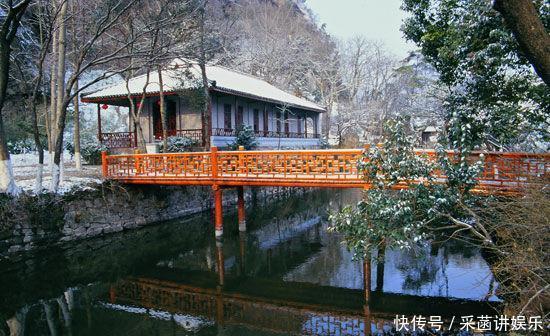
(266, 121)
(256, 120)
(298, 125)
(279, 116)
(227, 116)
(240, 116)
(287, 123)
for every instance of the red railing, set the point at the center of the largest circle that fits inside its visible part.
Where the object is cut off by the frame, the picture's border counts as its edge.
(154, 166)
(118, 139)
(194, 134)
(322, 168)
(290, 164)
(266, 134)
(502, 170)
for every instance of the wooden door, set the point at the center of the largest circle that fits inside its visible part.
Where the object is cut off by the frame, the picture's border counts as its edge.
(171, 118)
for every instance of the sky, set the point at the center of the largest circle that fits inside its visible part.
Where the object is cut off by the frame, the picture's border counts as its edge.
(378, 20)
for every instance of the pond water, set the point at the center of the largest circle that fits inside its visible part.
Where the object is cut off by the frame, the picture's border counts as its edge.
(285, 275)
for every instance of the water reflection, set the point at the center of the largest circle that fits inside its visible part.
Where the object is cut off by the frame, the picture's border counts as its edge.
(286, 275)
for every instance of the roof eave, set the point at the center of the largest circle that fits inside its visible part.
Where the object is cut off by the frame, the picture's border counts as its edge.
(102, 99)
(269, 100)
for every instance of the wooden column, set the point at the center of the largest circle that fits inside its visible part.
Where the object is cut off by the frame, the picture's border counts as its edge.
(305, 124)
(241, 214)
(99, 123)
(218, 210)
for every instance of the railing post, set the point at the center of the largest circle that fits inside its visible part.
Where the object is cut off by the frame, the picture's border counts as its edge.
(104, 169)
(214, 161)
(241, 160)
(136, 162)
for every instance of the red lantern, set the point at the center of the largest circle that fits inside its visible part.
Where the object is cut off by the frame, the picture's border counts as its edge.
(104, 106)
(138, 104)
(158, 103)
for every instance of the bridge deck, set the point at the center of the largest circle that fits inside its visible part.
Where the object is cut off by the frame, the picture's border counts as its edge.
(503, 172)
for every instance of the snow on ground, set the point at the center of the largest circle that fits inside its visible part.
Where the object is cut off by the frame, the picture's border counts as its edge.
(25, 168)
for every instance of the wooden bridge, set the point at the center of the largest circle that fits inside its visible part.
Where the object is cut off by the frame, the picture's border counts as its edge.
(502, 172)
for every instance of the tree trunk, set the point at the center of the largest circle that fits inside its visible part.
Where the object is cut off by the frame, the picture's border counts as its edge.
(44, 43)
(207, 107)
(163, 117)
(77, 155)
(522, 18)
(76, 102)
(50, 318)
(326, 124)
(36, 134)
(207, 110)
(7, 181)
(61, 108)
(18, 322)
(7, 34)
(136, 114)
(50, 117)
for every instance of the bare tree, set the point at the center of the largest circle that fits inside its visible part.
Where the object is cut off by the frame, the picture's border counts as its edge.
(378, 87)
(76, 101)
(157, 33)
(91, 56)
(8, 29)
(207, 39)
(45, 20)
(60, 108)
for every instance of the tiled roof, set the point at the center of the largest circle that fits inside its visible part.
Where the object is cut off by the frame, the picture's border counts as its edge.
(182, 74)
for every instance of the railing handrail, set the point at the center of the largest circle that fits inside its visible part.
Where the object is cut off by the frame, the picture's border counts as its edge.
(479, 152)
(141, 155)
(295, 151)
(325, 151)
(120, 132)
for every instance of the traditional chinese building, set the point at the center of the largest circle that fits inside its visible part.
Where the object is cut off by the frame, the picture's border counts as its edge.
(279, 119)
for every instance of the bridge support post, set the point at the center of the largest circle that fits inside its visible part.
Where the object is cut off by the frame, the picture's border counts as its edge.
(218, 211)
(241, 214)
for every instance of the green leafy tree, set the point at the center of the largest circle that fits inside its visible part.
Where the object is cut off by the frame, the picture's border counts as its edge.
(493, 86)
(245, 137)
(406, 205)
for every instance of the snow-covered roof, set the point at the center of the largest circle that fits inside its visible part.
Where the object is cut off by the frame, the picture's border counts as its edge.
(182, 74)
